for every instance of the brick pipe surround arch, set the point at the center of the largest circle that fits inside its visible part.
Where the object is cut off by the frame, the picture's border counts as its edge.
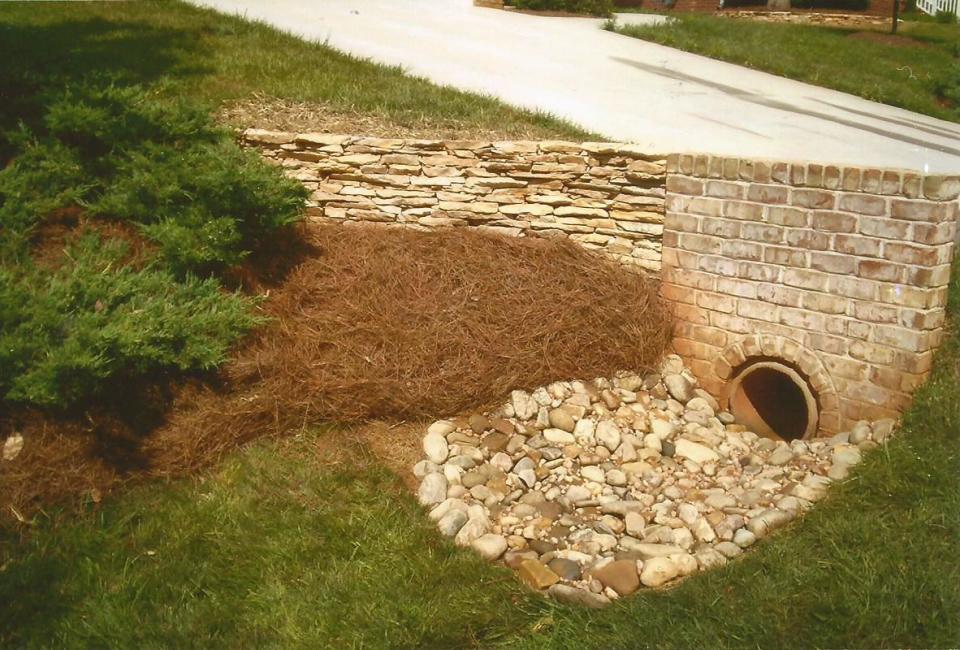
(762, 347)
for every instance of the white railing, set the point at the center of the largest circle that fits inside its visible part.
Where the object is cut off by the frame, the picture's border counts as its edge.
(933, 7)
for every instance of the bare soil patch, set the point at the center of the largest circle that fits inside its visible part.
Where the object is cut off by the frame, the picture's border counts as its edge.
(375, 324)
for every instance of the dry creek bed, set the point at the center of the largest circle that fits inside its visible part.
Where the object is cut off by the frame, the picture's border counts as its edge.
(591, 490)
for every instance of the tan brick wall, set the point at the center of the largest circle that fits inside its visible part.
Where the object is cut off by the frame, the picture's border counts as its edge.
(841, 271)
(606, 196)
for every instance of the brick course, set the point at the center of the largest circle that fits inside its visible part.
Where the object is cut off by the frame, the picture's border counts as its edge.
(842, 272)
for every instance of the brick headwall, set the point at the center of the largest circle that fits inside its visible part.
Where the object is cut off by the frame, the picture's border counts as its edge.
(606, 196)
(842, 272)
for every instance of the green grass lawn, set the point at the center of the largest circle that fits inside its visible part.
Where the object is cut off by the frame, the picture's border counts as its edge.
(919, 76)
(183, 50)
(278, 548)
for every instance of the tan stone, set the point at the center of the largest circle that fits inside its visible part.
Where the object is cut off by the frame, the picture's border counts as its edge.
(434, 172)
(517, 147)
(559, 146)
(262, 136)
(536, 209)
(551, 199)
(619, 575)
(441, 221)
(574, 211)
(603, 148)
(473, 206)
(442, 181)
(498, 182)
(321, 139)
(357, 159)
(381, 143)
(535, 574)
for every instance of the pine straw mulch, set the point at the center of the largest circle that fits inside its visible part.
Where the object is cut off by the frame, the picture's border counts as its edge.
(262, 111)
(378, 331)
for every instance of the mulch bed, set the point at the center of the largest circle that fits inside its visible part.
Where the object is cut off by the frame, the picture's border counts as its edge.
(374, 324)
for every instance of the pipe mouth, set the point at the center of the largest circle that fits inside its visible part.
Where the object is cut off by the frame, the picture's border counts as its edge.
(772, 399)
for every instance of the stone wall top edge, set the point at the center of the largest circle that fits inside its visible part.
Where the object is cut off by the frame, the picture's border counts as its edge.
(838, 177)
(277, 138)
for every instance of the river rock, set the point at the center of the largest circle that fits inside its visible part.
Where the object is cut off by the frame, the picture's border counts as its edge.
(566, 569)
(490, 546)
(593, 473)
(473, 529)
(560, 418)
(559, 436)
(780, 456)
(658, 571)
(451, 523)
(433, 489)
(695, 451)
(441, 428)
(524, 407)
(573, 596)
(767, 521)
(679, 387)
(608, 434)
(619, 575)
(647, 551)
(584, 431)
(653, 477)
(425, 467)
(537, 575)
(635, 524)
(615, 477)
(744, 538)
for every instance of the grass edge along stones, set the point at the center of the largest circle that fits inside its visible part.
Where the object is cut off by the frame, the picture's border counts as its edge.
(592, 489)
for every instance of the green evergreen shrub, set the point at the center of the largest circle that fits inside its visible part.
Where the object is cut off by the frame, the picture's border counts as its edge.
(96, 313)
(64, 332)
(206, 206)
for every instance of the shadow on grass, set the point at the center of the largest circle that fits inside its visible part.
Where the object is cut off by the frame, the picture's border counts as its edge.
(39, 59)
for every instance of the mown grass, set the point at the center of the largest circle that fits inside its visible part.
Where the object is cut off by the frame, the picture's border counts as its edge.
(921, 75)
(278, 548)
(275, 548)
(185, 50)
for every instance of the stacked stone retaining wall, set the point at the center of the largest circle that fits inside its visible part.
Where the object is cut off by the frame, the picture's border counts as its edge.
(606, 196)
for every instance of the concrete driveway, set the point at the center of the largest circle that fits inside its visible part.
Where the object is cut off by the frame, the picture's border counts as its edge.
(624, 88)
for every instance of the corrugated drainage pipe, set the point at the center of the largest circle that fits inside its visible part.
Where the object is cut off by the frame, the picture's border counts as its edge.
(772, 399)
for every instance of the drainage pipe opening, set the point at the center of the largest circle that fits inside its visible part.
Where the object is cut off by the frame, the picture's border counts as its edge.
(773, 400)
